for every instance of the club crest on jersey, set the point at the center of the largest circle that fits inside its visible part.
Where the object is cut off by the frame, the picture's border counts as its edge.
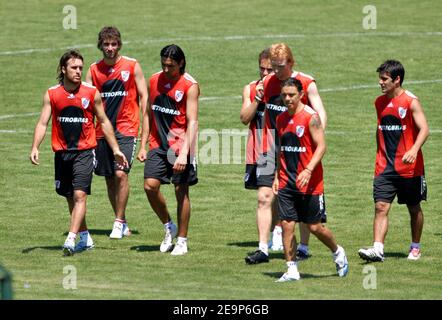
(300, 131)
(179, 95)
(84, 103)
(125, 75)
(402, 112)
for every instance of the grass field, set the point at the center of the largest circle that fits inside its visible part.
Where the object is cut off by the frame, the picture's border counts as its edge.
(221, 40)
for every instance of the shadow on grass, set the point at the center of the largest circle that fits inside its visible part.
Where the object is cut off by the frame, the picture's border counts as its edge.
(244, 244)
(27, 250)
(277, 275)
(102, 232)
(145, 248)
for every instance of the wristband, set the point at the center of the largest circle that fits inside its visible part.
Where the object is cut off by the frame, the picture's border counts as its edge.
(258, 98)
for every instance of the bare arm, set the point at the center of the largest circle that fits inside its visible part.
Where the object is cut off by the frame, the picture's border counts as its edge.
(317, 133)
(191, 130)
(248, 109)
(108, 130)
(145, 129)
(421, 123)
(142, 90)
(40, 129)
(89, 77)
(316, 103)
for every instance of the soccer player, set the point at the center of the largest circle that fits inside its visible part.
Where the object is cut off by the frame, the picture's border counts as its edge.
(401, 132)
(73, 105)
(252, 114)
(173, 104)
(123, 91)
(282, 62)
(298, 182)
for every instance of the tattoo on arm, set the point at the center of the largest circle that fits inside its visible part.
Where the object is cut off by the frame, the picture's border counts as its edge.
(316, 121)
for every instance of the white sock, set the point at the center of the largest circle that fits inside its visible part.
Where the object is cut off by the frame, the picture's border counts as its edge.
(379, 247)
(303, 248)
(415, 245)
(264, 247)
(338, 251)
(168, 225)
(71, 237)
(181, 240)
(277, 229)
(292, 267)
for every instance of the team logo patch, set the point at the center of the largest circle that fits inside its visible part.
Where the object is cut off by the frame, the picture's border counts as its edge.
(84, 103)
(300, 131)
(125, 75)
(179, 95)
(402, 112)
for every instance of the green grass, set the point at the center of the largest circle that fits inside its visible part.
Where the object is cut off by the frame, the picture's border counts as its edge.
(221, 41)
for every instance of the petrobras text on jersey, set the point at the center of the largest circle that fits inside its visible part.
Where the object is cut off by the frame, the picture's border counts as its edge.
(114, 94)
(394, 127)
(292, 149)
(72, 120)
(275, 107)
(165, 110)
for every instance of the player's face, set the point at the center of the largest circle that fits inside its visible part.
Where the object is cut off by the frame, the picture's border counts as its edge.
(110, 48)
(291, 97)
(73, 70)
(171, 68)
(282, 68)
(265, 67)
(386, 83)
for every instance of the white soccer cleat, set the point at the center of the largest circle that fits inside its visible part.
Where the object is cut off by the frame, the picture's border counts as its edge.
(371, 255)
(415, 254)
(341, 262)
(68, 249)
(126, 231)
(117, 230)
(169, 235)
(84, 244)
(293, 276)
(180, 249)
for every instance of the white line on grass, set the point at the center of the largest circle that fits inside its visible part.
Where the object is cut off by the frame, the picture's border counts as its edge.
(237, 38)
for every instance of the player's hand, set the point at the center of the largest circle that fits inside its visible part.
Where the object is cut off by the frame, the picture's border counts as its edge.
(259, 91)
(121, 159)
(275, 186)
(409, 156)
(34, 157)
(303, 178)
(180, 164)
(142, 155)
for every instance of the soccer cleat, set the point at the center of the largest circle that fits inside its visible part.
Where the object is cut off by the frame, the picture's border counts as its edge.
(341, 262)
(169, 234)
(289, 277)
(180, 249)
(415, 254)
(301, 255)
(84, 245)
(126, 231)
(371, 255)
(68, 249)
(257, 257)
(117, 230)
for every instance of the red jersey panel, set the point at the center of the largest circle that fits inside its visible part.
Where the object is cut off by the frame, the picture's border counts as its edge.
(119, 95)
(255, 128)
(72, 118)
(275, 106)
(396, 134)
(297, 149)
(168, 99)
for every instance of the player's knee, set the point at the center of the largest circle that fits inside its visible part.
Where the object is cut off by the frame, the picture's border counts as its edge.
(264, 199)
(151, 187)
(381, 208)
(314, 228)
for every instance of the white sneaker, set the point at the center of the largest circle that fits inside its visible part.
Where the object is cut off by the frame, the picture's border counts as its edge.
(68, 249)
(117, 230)
(340, 260)
(277, 240)
(169, 234)
(294, 276)
(180, 249)
(84, 244)
(126, 231)
(371, 255)
(415, 254)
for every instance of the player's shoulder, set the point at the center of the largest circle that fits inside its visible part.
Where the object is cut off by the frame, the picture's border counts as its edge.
(309, 110)
(306, 76)
(410, 95)
(129, 58)
(88, 85)
(96, 63)
(188, 77)
(54, 87)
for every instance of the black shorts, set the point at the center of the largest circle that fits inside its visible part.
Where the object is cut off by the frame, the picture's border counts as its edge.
(73, 171)
(410, 191)
(106, 164)
(253, 179)
(299, 207)
(158, 166)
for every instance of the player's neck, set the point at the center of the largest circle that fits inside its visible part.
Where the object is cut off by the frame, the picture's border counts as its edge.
(70, 86)
(395, 93)
(297, 110)
(111, 62)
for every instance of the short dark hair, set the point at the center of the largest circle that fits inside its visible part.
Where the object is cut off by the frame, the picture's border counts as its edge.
(71, 53)
(106, 33)
(174, 52)
(394, 68)
(264, 54)
(292, 82)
